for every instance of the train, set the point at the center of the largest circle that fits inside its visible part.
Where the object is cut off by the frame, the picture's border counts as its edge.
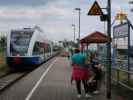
(28, 46)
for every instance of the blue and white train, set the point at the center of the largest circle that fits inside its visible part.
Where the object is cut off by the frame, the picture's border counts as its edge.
(27, 46)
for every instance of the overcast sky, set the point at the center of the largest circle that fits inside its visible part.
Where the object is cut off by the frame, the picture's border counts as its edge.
(55, 17)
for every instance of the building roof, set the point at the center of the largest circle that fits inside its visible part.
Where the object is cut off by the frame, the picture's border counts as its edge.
(95, 37)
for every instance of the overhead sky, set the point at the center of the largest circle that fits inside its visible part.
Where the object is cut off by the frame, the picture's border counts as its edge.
(55, 17)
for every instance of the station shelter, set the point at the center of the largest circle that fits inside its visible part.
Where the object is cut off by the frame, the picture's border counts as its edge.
(94, 38)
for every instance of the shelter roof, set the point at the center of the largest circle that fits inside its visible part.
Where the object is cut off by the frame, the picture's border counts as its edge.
(95, 37)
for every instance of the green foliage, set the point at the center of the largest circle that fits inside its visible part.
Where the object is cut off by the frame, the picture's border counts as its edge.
(2, 60)
(67, 43)
(2, 52)
(3, 41)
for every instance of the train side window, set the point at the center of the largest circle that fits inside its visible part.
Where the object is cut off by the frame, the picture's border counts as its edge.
(38, 50)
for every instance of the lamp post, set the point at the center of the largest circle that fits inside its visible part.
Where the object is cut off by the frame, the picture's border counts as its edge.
(78, 9)
(73, 25)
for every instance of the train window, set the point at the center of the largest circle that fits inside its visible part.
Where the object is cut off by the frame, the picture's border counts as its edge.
(48, 49)
(38, 50)
(19, 42)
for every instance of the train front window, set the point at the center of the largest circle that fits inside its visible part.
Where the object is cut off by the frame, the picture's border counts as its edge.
(20, 42)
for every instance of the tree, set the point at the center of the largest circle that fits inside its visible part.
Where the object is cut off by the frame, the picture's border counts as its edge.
(3, 42)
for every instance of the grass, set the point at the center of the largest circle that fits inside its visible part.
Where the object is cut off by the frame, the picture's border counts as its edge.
(123, 77)
(3, 66)
(119, 90)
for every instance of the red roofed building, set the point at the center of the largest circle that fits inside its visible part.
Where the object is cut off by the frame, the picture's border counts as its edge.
(95, 37)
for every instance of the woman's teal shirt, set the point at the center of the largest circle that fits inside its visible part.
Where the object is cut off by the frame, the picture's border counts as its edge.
(78, 59)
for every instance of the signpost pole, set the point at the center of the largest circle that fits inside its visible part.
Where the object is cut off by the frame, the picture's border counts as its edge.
(109, 51)
(96, 11)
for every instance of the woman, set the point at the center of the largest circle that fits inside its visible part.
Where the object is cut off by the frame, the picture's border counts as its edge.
(80, 72)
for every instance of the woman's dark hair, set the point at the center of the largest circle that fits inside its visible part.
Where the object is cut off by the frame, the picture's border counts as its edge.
(76, 50)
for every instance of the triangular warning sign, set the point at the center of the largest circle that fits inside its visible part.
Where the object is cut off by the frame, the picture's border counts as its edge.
(95, 10)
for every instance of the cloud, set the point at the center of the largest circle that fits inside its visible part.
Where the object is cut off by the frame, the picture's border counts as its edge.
(23, 2)
(52, 18)
(55, 17)
(33, 13)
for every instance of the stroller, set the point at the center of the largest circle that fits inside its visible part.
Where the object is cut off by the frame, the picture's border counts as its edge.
(92, 86)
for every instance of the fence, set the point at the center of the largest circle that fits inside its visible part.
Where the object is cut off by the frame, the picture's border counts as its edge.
(123, 77)
(120, 74)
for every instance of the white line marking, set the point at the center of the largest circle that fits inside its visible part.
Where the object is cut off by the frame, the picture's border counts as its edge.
(40, 80)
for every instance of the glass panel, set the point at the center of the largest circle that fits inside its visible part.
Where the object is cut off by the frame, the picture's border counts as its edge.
(20, 42)
(38, 49)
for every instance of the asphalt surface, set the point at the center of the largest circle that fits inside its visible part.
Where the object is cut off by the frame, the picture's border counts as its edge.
(20, 90)
(51, 81)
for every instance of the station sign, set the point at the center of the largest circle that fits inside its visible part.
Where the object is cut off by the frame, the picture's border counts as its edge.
(95, 10)
(121, 30)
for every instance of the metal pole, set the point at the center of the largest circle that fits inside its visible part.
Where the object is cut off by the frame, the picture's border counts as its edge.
(128, 52)
(129, 48)
(87, 49)
(109, 51)
(79, 26)
(74, 32)
(129, 23)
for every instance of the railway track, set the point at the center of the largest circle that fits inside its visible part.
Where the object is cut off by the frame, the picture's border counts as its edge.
(11, 77)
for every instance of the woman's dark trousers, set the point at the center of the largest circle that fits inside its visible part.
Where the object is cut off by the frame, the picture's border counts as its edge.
(78, 86)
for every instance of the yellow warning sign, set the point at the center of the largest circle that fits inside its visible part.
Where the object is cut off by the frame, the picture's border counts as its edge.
(95, 10)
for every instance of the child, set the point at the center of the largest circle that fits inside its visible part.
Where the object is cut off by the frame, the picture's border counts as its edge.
(97, 73)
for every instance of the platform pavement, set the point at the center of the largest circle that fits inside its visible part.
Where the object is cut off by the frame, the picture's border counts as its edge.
(57, 86)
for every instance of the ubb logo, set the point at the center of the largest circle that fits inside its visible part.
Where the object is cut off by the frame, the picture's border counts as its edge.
(17, 60)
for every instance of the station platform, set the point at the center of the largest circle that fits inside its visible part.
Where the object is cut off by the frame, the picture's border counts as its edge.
(51, 81)
(57, 86)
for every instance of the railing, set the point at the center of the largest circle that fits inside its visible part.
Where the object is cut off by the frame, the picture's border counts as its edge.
(121, 77)
(120, 73)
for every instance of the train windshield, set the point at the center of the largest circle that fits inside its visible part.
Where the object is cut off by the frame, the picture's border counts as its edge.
(20, 42)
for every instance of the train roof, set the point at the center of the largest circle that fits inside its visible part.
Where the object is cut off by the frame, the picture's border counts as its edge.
(23, 30)
(40, 36)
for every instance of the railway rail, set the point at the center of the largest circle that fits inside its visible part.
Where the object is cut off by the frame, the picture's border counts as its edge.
(12, 77)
